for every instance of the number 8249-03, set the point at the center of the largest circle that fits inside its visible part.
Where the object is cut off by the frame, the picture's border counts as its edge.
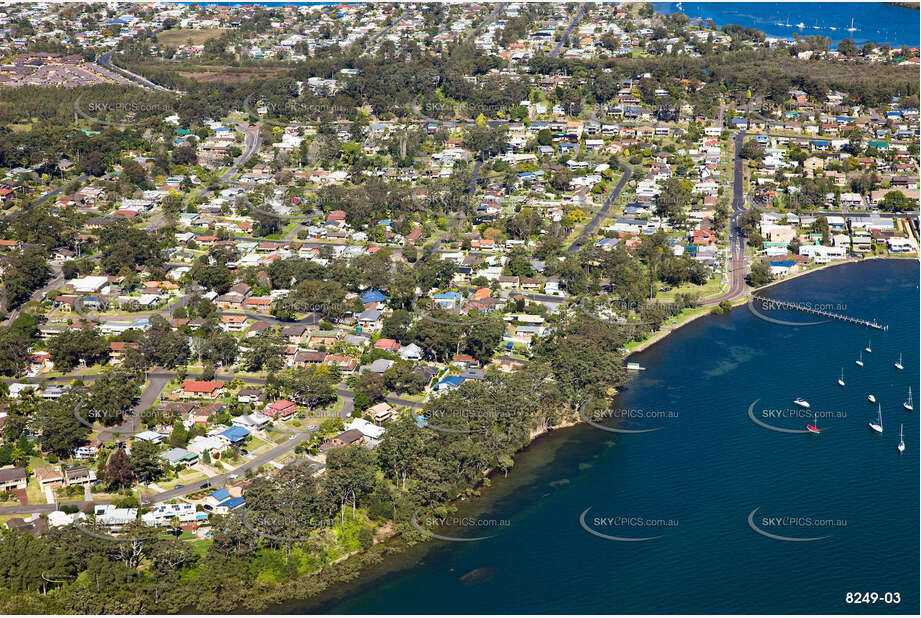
(869, 598)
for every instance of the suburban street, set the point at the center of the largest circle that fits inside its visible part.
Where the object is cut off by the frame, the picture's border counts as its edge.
(737, 267)
(603, 212)
(489, 18)
(565, 38)
(105, 60)
(157, 380)
(57, 278)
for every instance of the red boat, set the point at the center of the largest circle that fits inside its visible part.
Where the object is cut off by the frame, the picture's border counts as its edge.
(812, 428)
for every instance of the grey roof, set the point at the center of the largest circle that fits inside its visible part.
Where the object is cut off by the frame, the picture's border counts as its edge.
(380, 365)
(369, 315)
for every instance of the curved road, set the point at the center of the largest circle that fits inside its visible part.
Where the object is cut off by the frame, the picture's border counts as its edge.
(105, 60)
(158, 379)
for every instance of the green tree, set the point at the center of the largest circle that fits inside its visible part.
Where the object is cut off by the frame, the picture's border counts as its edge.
(145, 461)
(119, 471)
(349, 476)
(483, 336)
(673, 200)
(895, 201)
(61, 430)
(760, 274)
(67, 349)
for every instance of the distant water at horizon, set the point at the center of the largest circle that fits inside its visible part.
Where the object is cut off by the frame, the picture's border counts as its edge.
(877, 22)
(696, 482)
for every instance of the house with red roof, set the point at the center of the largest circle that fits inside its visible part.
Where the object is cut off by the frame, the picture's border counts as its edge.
(282, 409)
(201, 389)
(388, 345)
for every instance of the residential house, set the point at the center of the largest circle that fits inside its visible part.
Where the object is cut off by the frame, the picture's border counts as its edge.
(12, 478)
(282, 409)
(346, 438)
(201, 389)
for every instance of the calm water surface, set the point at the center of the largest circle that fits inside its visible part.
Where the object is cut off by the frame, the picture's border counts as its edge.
(875, 21)
(694, 482)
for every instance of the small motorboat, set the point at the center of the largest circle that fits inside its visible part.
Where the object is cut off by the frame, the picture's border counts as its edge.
(801, 402)
(871, 398)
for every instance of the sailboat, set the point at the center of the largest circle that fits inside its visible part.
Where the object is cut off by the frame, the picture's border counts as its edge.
(901, 440)
(871, 398)
(859, 361)
(908, 405)
(841, 379)
(852, 28)
(813, 428)
(867, 349)
(877, 425)
(898, 364)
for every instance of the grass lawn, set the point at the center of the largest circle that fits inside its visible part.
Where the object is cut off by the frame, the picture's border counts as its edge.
(34, 492)
(679, 319)
(38, 461)
(274, 436)
(336, 407)
(713, 287)
(186, 477)
(179, 36)
(104, 496)
(283, 233)
(200, 547)
(418, 397)
(6, 518)
(255, 444)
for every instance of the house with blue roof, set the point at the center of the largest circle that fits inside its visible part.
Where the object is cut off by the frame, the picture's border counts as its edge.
(449, 383)
(373, 296)
(235, 434)
(229, 505)
(448, 300)
(782, 268)
(217, 497)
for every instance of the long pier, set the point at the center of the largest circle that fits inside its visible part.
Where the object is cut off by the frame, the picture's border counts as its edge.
(820, 312)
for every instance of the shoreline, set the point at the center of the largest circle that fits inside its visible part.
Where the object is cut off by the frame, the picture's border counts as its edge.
(543, 435)
(741, 300)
